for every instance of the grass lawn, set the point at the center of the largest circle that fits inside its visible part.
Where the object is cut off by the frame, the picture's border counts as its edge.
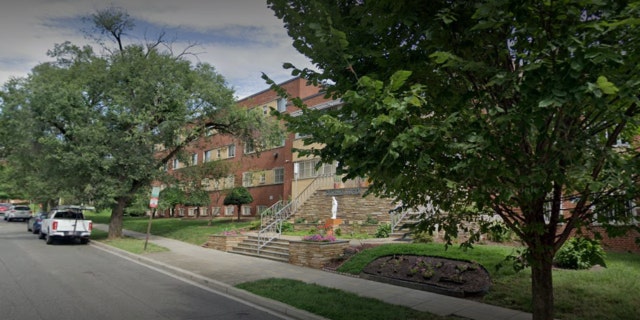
(194, 231)
(331, 303)
(128, 244)
(606, 293)
(603, 293)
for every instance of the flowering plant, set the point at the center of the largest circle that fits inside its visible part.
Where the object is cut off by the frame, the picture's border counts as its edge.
(319, 238)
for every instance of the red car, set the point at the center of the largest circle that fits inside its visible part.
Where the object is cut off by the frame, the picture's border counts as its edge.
(4, 207)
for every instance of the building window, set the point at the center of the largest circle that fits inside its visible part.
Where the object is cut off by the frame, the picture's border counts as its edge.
(263, 177)
(232, 151)
(207, 155)
(249, 148)
(265, 110)
(261, 209)
(176, 164)
(246, 210)
(307, 169)
(618, 210)
(247, 179)
(279, 175)
(219, 153)
(282, 104)
(230, 182)
(229, 210)
(215, 211)
(210, 130)
(194, 159)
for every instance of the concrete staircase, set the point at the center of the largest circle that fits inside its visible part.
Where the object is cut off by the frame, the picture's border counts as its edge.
(277, 250)
(403, 228)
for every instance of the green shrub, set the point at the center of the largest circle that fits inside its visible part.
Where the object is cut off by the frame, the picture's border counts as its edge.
(287, 226)
(580, 253)
(255, 225)
(300, 220)
(338, 232)
(499, 232)
(383, 231)
(422, 237)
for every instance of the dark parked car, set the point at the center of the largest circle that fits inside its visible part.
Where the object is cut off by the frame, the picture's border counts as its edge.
(35, 222)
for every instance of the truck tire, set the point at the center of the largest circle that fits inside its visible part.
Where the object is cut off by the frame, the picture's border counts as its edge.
(84, 241)
(49, 239)
(41, 235)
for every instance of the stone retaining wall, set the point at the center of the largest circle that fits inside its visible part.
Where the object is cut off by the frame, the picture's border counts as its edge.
(315, 254)
(224, 243)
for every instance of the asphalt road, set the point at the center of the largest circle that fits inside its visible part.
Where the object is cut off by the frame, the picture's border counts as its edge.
(74, 281)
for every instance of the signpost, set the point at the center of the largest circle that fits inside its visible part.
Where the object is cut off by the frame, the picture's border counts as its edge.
(153, 204)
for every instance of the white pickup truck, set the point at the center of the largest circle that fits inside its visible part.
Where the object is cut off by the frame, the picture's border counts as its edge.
(66, 223)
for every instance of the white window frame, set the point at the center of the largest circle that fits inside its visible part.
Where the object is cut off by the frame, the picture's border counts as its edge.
(229, 210)
(231, 151)
(194, 159)
(248, 148)
(247, 179)
(282, 105)
(176, 164)
(207, 155)
(631, 210)
(246, 210)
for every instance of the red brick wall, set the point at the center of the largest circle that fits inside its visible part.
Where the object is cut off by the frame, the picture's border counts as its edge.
(624, 243)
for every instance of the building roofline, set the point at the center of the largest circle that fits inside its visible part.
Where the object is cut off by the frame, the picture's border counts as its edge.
(268, 89)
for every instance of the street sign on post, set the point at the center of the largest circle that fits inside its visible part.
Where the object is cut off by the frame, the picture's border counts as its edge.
(153, 203)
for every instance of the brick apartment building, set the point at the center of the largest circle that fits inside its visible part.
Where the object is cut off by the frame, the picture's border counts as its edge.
(280, 174)
(269, 175)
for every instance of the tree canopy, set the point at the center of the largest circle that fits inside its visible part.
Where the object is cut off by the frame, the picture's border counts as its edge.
(237, 197)
(103, 126)
(528, 110)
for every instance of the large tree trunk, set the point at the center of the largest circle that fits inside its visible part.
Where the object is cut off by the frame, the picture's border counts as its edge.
(115, 225)
(542, 284)
(239, 207)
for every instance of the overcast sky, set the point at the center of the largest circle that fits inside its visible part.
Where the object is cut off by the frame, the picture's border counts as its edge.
(240, 38)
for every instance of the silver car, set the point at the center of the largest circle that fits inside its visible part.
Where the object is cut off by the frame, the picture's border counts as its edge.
(18, 212)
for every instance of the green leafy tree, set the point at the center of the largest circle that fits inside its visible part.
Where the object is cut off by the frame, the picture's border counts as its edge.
(170, 197)
(237, 197)
(481, 107)
(104, 124)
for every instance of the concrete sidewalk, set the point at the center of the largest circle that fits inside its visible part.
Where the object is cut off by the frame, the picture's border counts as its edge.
(222, 270)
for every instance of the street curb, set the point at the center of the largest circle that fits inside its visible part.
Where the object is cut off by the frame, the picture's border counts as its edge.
(244, 296)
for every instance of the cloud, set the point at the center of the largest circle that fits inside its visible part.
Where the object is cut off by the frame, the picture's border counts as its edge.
(240, 38)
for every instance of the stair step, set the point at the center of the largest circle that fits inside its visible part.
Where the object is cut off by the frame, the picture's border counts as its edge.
(246, 247)
(263, 254)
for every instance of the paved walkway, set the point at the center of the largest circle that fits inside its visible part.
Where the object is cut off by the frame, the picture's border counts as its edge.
(222, 270)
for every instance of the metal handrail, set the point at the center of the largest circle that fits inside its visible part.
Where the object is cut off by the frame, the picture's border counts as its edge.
(272, 218)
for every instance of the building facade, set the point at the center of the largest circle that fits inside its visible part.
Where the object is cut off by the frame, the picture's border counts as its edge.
(271, 175)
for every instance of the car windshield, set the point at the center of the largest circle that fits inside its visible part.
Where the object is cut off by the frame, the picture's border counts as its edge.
(21, 208)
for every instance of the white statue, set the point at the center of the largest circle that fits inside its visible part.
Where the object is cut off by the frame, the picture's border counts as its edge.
(334, 208)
